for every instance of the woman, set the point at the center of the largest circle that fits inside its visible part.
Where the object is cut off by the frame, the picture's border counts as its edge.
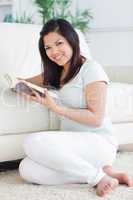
(84, 148)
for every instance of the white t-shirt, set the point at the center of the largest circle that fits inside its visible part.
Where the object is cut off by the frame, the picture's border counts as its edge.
(72, 95)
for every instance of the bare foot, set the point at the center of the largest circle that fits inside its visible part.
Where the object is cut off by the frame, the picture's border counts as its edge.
(106, 185)
(123, 178)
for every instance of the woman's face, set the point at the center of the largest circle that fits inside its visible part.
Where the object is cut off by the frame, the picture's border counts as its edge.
(58, 49)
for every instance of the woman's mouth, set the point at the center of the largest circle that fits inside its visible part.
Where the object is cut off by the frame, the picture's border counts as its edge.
(58, 58)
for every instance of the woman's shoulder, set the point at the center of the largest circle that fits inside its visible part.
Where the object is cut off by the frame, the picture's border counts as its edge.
(90, 64)
(93, 71)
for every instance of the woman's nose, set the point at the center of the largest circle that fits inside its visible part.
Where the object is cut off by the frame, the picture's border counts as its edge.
(55, 52)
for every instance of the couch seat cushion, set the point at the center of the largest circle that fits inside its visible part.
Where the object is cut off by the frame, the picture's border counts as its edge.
(120, 102)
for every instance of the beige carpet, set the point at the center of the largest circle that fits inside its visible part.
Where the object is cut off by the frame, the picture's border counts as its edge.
(12, 187)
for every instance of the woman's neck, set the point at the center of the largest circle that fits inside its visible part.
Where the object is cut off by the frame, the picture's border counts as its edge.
(66, 67)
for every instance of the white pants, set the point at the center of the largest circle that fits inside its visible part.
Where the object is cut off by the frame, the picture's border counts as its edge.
(66, 157)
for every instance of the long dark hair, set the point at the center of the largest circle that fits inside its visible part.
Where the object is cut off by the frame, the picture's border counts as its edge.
(52, 71)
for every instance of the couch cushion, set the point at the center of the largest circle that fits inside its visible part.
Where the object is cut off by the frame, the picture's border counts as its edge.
(120, 102)
(123, 132)
(19, 49)
(18, 115)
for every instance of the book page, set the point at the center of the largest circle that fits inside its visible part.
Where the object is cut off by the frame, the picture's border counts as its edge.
(10, 80)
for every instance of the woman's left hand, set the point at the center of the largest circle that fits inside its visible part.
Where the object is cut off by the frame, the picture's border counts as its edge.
(47, 101)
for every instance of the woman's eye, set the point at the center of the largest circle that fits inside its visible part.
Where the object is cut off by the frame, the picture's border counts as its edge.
(59, 43)
(47, 48)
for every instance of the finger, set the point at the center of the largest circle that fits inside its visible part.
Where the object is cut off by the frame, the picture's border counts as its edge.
(38, 98)
(36, 94)
(46, 91)
(26, 96)
(22, 94)
(34, 98)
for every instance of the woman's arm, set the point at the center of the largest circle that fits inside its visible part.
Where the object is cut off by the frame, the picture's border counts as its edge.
(96, 100)
(37, 80)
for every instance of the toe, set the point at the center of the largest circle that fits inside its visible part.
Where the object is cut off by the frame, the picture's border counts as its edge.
(130, 183)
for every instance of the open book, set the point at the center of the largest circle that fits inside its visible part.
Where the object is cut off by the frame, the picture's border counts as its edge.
(23, 86)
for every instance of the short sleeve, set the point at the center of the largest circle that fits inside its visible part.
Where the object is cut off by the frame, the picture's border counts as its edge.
(93, 71)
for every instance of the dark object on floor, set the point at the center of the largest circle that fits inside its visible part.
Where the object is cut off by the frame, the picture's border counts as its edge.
(126, 147)
(9, 165)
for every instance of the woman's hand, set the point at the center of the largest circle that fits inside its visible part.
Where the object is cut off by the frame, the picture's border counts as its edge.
(47, 100)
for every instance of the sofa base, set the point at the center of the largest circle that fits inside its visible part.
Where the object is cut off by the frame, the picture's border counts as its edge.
(11, 147)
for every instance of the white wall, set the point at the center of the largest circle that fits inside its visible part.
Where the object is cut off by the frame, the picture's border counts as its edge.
(110, 13)
(111, 36)
(112, 47)
(28, 6)
(4, 10)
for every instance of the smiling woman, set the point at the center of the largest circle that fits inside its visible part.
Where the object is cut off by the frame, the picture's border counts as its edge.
(76, 153)
(58, 49)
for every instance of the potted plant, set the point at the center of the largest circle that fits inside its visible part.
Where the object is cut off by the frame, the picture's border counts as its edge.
(18, 19)
(61, 9)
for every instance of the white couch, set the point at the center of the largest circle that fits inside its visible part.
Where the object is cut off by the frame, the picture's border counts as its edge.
(19, 56)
